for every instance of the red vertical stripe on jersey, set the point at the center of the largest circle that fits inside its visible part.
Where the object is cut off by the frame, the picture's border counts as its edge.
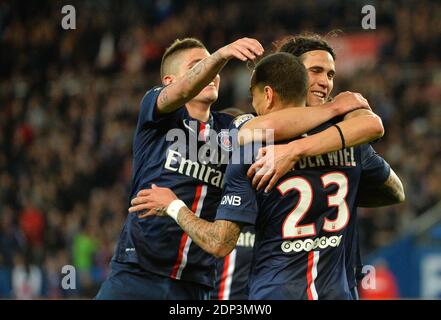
(193, 209)
(224, 278)
(309, 274)
(202, 131)
(184, 235)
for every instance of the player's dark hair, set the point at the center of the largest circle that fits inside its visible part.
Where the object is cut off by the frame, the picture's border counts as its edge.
(177, 46)
(285, 74)
(305, 42)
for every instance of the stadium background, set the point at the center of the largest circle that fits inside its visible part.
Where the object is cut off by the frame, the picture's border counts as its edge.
(69, 101)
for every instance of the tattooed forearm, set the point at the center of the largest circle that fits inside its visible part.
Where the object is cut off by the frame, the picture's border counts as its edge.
(218, 238)
(195, 71)
(163, 97)
(395, 187)
(204, 71)
(391, 192)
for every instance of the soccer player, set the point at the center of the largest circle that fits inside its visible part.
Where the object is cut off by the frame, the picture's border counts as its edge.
(281, 268)
(154, 258)
(234, 270)
(319, 59)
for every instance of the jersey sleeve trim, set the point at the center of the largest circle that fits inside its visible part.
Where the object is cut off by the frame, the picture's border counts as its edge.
(236, 215)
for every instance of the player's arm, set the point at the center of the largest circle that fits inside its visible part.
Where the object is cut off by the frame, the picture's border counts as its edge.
(379, 185)
(200, 75)
(275, 161)
(354, 131)
(289, 123)
(390, 192)
(217, 238)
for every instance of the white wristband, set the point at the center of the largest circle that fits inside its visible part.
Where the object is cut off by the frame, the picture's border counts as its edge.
(174, 207)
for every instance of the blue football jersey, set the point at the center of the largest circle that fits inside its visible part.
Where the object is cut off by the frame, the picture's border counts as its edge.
(175, 151)
(233, 270)
(301, 225)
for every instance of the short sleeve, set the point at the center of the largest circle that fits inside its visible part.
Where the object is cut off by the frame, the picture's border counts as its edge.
(375, 170)
(148, 111)
(238, 201)
(235, 126)
(239, 121)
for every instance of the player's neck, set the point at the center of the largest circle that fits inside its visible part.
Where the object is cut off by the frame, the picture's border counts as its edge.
(281, 106)
(199, 111)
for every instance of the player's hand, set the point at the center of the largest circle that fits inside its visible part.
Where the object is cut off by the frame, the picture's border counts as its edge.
(243, 49)
(349, 101)
(272, 163)
(154, 201)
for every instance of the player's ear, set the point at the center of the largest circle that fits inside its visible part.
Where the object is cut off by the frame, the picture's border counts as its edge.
(269, 96)
(167, 79)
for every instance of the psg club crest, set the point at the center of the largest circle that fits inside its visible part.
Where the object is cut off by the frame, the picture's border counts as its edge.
(225, 140)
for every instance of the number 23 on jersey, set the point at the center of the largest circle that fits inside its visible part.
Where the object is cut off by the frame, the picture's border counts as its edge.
(291, 226)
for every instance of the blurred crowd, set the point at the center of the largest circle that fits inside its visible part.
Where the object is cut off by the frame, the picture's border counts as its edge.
(69, 101)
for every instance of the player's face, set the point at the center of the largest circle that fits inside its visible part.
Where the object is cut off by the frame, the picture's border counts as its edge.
(191, 57)
(321, 70)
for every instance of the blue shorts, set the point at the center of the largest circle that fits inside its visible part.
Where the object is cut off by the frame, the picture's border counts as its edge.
(128, 282)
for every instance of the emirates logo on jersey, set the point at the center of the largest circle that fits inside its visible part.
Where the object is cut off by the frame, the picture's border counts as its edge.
(175, 162)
